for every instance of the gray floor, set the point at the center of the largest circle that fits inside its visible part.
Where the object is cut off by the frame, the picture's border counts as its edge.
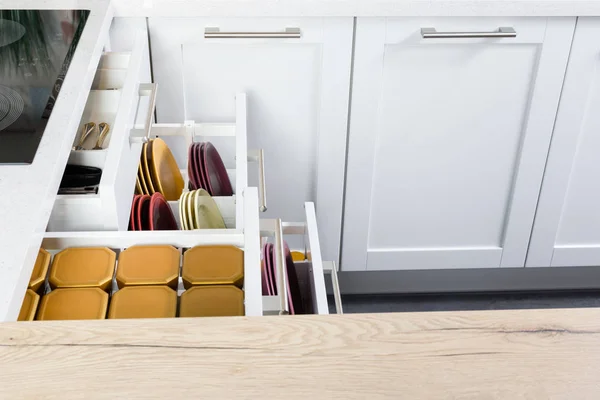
(500, 301)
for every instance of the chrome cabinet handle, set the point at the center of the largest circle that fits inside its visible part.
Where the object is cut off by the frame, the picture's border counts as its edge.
(288, 33)
(503, 32)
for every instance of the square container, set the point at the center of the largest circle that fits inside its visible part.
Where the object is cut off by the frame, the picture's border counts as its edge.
(73, 303)
(213, 265)
(212, 301)
(143, 302)
(148, 265)
(81, 267)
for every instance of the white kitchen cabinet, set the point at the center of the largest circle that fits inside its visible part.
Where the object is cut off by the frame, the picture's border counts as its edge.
(567, 224)
(298, 90)
(451, 120)
(109, 76)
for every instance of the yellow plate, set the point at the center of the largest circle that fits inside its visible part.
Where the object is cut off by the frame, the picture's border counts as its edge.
(80, 267)
(165, 170)
(138, 185)
(208, 215)
(141, 178)
(40, 270)
(148, 265)
(73, 303)
(29, 306)
(143, 302)
(298, 256)
(150, 184)
(183, 211)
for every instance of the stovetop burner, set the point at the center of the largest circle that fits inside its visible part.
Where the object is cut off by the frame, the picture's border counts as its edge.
(36, 49)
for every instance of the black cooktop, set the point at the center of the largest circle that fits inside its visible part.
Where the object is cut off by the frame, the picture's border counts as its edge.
(36, 48)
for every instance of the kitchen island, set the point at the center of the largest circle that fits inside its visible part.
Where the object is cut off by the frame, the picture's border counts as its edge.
(533, 354)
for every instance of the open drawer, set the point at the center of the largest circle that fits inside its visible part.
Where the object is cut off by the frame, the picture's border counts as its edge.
(311, 270)
(109, 209)
(120, 97)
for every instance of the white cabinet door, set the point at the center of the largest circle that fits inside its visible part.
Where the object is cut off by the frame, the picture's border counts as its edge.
(298, 90)
(567, 224)
(448, 139)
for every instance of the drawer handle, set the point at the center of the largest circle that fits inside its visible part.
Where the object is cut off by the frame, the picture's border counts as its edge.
(288, 33)
(259, 156)
(503, 32)
(143, 135)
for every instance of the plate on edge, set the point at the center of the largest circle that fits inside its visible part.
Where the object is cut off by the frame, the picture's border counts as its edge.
(165, 171)
(207, 212)
(161, 215)
(216, 173)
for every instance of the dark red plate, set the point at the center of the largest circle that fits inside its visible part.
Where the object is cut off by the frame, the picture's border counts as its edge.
(192, 167)
(218, 180)
(294, 294)
(263, 278)
(132, 217)
(201, 170)
(161, 214)
(143, 213)
(271, 268)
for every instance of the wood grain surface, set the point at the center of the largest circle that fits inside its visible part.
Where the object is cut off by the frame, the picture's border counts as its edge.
(524, 354)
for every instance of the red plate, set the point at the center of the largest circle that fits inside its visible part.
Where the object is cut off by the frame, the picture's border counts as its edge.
(192, 167)
(132, 218)
(161, 215)
(143, 213)
(216, 173)
(271, 267)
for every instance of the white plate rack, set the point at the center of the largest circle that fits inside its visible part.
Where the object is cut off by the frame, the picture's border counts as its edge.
(231, 142)
(277, 231)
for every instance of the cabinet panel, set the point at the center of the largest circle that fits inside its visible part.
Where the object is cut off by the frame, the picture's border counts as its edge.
(448, 140)
(298, 91)
(566, 230)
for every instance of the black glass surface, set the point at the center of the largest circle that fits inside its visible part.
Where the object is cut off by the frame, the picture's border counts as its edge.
(36, 49)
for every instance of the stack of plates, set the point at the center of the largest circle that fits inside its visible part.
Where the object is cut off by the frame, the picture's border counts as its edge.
(269, 278)
(158, 171)
(207, 171)
(151, 213)
(198, 210)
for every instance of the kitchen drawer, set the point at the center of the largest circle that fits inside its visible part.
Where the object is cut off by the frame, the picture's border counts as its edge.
(109, 209)
(119, 93)
(310, 272)
(248, 240)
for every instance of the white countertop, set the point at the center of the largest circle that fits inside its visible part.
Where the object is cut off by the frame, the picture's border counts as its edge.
(356, 8)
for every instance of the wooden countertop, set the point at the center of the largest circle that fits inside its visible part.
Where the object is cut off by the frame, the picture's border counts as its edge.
(533, 354)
